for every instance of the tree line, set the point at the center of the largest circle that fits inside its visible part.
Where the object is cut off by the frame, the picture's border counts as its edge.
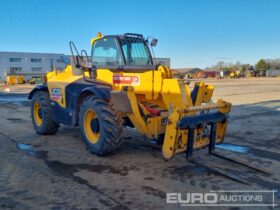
(262, 64)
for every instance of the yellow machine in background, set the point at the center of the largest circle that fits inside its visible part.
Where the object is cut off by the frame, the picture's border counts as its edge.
(14, 79)
(120, 85)
(234, 74)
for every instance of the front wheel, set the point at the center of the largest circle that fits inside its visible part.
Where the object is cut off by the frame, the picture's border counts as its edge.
(42, 114)
(101, 127)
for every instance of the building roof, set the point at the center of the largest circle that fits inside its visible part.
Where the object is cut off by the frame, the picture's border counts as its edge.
(188, 70)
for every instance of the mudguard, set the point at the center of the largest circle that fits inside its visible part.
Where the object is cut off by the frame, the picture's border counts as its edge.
(100, 91)
(37, 88)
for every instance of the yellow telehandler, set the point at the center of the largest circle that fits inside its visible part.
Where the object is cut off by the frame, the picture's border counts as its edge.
(119, 85)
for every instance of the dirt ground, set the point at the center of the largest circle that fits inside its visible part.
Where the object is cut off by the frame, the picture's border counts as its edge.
(57, 172)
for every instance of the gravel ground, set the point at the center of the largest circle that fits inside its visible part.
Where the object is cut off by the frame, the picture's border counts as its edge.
(57, 172)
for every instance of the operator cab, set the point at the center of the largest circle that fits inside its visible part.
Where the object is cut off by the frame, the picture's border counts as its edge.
(121, 52)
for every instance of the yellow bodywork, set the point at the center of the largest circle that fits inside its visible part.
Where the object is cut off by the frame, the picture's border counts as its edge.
(234, 74)
(60, 79)
(156, 89)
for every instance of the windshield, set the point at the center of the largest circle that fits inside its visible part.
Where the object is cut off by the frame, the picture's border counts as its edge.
(136, 52)
(105, 52)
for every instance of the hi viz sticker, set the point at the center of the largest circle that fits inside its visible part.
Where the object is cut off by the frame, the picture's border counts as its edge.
(56, 93)
(126, 80)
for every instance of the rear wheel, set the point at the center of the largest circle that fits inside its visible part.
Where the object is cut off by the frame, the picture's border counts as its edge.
(101, 127)
(42, 114)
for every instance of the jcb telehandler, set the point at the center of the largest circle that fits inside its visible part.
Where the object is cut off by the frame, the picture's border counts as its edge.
(121, 85)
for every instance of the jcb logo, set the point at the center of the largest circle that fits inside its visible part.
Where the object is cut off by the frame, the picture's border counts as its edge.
(56, 93)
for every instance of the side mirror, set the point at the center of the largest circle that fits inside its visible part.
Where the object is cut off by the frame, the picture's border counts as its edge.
(154, 42)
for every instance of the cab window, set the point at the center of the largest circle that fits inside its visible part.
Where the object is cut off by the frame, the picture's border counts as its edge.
(135, 52)
(105, 52)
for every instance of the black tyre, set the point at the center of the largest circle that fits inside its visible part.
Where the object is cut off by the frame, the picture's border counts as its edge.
(42, 114)
(160, 139)
(101, 127)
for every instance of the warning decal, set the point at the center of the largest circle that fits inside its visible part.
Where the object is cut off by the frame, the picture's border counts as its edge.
(126, 80)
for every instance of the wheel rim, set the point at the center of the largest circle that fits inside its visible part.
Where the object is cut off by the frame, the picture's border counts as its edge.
(91, 126)
(37, 113)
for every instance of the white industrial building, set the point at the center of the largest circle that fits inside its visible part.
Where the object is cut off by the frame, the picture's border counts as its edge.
(272, 73)
(37, 64)
(29, 64)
